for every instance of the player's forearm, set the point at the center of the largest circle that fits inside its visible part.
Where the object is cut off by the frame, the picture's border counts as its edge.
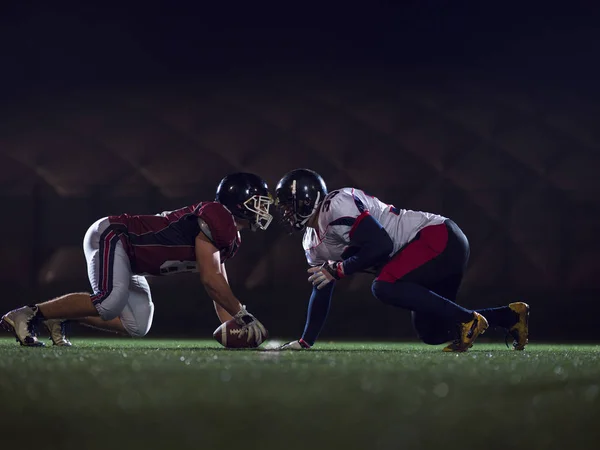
(223, 315)
(218, 289)
(375, 246)
(318, 309)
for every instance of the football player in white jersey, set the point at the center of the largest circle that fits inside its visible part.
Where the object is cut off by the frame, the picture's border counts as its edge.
(419, 260)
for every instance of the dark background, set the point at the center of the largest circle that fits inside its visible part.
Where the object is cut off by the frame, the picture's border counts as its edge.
(485, 114)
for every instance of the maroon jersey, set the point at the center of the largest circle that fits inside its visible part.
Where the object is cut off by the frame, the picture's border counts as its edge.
(164, 244)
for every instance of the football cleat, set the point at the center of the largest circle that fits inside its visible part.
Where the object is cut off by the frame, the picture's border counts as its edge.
(520, 330)
(300, 344)
(57, 330)
(22, 322)
(468, 332)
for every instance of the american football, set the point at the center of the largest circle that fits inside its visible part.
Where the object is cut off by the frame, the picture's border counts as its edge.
(229, 335)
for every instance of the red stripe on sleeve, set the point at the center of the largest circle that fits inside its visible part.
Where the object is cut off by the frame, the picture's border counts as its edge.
(358, 220)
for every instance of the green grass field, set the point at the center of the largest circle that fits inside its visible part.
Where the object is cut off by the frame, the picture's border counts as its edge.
(150, 394)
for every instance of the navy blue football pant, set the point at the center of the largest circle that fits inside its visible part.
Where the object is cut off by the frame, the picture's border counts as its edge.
(425, 277)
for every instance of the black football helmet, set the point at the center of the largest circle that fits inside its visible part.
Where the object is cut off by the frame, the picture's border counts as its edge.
(297, 196)
(247, 196)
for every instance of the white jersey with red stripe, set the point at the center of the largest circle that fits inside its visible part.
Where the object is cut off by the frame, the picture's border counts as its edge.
(343, 209)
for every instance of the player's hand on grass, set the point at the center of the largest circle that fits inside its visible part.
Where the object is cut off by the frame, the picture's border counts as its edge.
(251, 325)
(300, 344)
(323, 275)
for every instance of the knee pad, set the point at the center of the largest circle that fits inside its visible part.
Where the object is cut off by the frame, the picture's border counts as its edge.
(138, 321)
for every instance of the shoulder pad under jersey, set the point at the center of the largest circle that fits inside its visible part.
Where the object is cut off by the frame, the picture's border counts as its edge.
(340, 206)
(205, 228)
(219, 224)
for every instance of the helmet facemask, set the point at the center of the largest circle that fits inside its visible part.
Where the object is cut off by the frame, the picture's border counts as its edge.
(290, 212)
(259, 205)
(287, 215)
(299, 195)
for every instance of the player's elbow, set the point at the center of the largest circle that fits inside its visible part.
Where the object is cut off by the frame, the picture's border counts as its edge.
(381, 248)
(386, 245)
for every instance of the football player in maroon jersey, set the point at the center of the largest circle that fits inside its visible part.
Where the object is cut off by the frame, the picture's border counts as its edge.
(122, 250)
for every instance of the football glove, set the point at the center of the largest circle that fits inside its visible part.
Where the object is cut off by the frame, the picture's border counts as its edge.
(322, 275)
(250, 324)
(300, 344)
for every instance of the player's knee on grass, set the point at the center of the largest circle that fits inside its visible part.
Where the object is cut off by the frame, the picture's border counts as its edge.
(137, 318)
(137, 331)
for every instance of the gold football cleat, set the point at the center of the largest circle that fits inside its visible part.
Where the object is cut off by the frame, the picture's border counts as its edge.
(520, 330)
(468, 332)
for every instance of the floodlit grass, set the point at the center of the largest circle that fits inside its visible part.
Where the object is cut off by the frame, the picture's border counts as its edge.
(150, 394)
